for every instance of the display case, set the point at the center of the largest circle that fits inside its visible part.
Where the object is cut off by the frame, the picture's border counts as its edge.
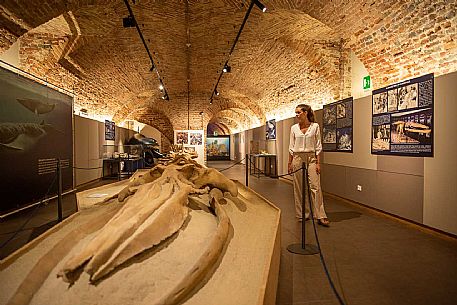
(218, 148)
(150, 149)
(121, 160)
(263, 164)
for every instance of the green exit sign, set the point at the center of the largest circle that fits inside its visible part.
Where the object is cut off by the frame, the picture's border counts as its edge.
(367, 83)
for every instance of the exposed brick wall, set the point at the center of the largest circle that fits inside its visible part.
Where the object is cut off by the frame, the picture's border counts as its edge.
(319, 72)
(6, 39)
(155, 118)
(288, 54)
(395, 40)
(236, 119)
(11, 28)
(216, 127)
(39, 54)
(297, 52)
(413, 38)
(165, 145)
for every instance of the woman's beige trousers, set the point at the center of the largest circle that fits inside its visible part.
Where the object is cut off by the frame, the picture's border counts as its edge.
(314, 183)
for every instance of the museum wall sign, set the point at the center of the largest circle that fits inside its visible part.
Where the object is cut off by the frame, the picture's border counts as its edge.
(402, 118)
(35, 131)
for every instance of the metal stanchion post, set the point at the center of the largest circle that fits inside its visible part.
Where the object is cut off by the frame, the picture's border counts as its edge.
(247, 169)
(303, 248)
(119, 169)
(59, 191)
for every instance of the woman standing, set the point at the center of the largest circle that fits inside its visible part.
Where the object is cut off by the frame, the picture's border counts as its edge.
(305, 146)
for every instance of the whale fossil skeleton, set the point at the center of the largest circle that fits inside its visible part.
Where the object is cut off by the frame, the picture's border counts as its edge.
(156, 207)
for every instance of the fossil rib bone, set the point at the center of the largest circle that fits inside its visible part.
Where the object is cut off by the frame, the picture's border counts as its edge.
(206, 260)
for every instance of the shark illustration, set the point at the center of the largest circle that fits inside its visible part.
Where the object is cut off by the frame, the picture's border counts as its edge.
(36, 106)
(22, 136)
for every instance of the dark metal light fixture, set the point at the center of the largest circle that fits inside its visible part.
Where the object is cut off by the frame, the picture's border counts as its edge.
(227, 68)
(128, 22)
(216, 92)
(262, 7)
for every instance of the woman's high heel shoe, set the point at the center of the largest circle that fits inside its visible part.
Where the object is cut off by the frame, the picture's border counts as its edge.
(324, 222)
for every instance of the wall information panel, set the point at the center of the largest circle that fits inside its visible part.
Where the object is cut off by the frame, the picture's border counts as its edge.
(402, 118)
(337, 129)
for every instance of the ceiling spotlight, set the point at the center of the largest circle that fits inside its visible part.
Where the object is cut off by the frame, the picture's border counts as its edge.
(216, 92)
(262, 7)
(211, 102)
(227, 69)
(201, 113)
(128, 22)
(161, 86)
(152, 67)
(165, 96)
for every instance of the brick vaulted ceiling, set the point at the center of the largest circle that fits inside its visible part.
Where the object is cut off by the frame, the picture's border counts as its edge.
(298, 51)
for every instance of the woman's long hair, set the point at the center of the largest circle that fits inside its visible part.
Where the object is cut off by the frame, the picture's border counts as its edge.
(309, 111)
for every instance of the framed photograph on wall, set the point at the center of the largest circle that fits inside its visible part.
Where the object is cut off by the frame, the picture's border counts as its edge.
(182, 137)
(196, 138)
(110, 130)
(270, 127)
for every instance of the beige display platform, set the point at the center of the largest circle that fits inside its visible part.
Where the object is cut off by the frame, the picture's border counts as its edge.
(246, 272)
(87, 199)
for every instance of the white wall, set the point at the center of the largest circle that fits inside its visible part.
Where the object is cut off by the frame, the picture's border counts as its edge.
(243, 150)
(87, 149)
(248, 137)
(151, 132)
(440, 172)
(283, 138)
(271, 147)
(358, 72)
(232, 147)
(11, 55)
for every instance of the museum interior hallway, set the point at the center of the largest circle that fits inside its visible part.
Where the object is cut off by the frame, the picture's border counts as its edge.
(373, 259)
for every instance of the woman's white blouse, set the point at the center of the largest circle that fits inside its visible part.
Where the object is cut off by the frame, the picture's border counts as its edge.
(305, 142)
